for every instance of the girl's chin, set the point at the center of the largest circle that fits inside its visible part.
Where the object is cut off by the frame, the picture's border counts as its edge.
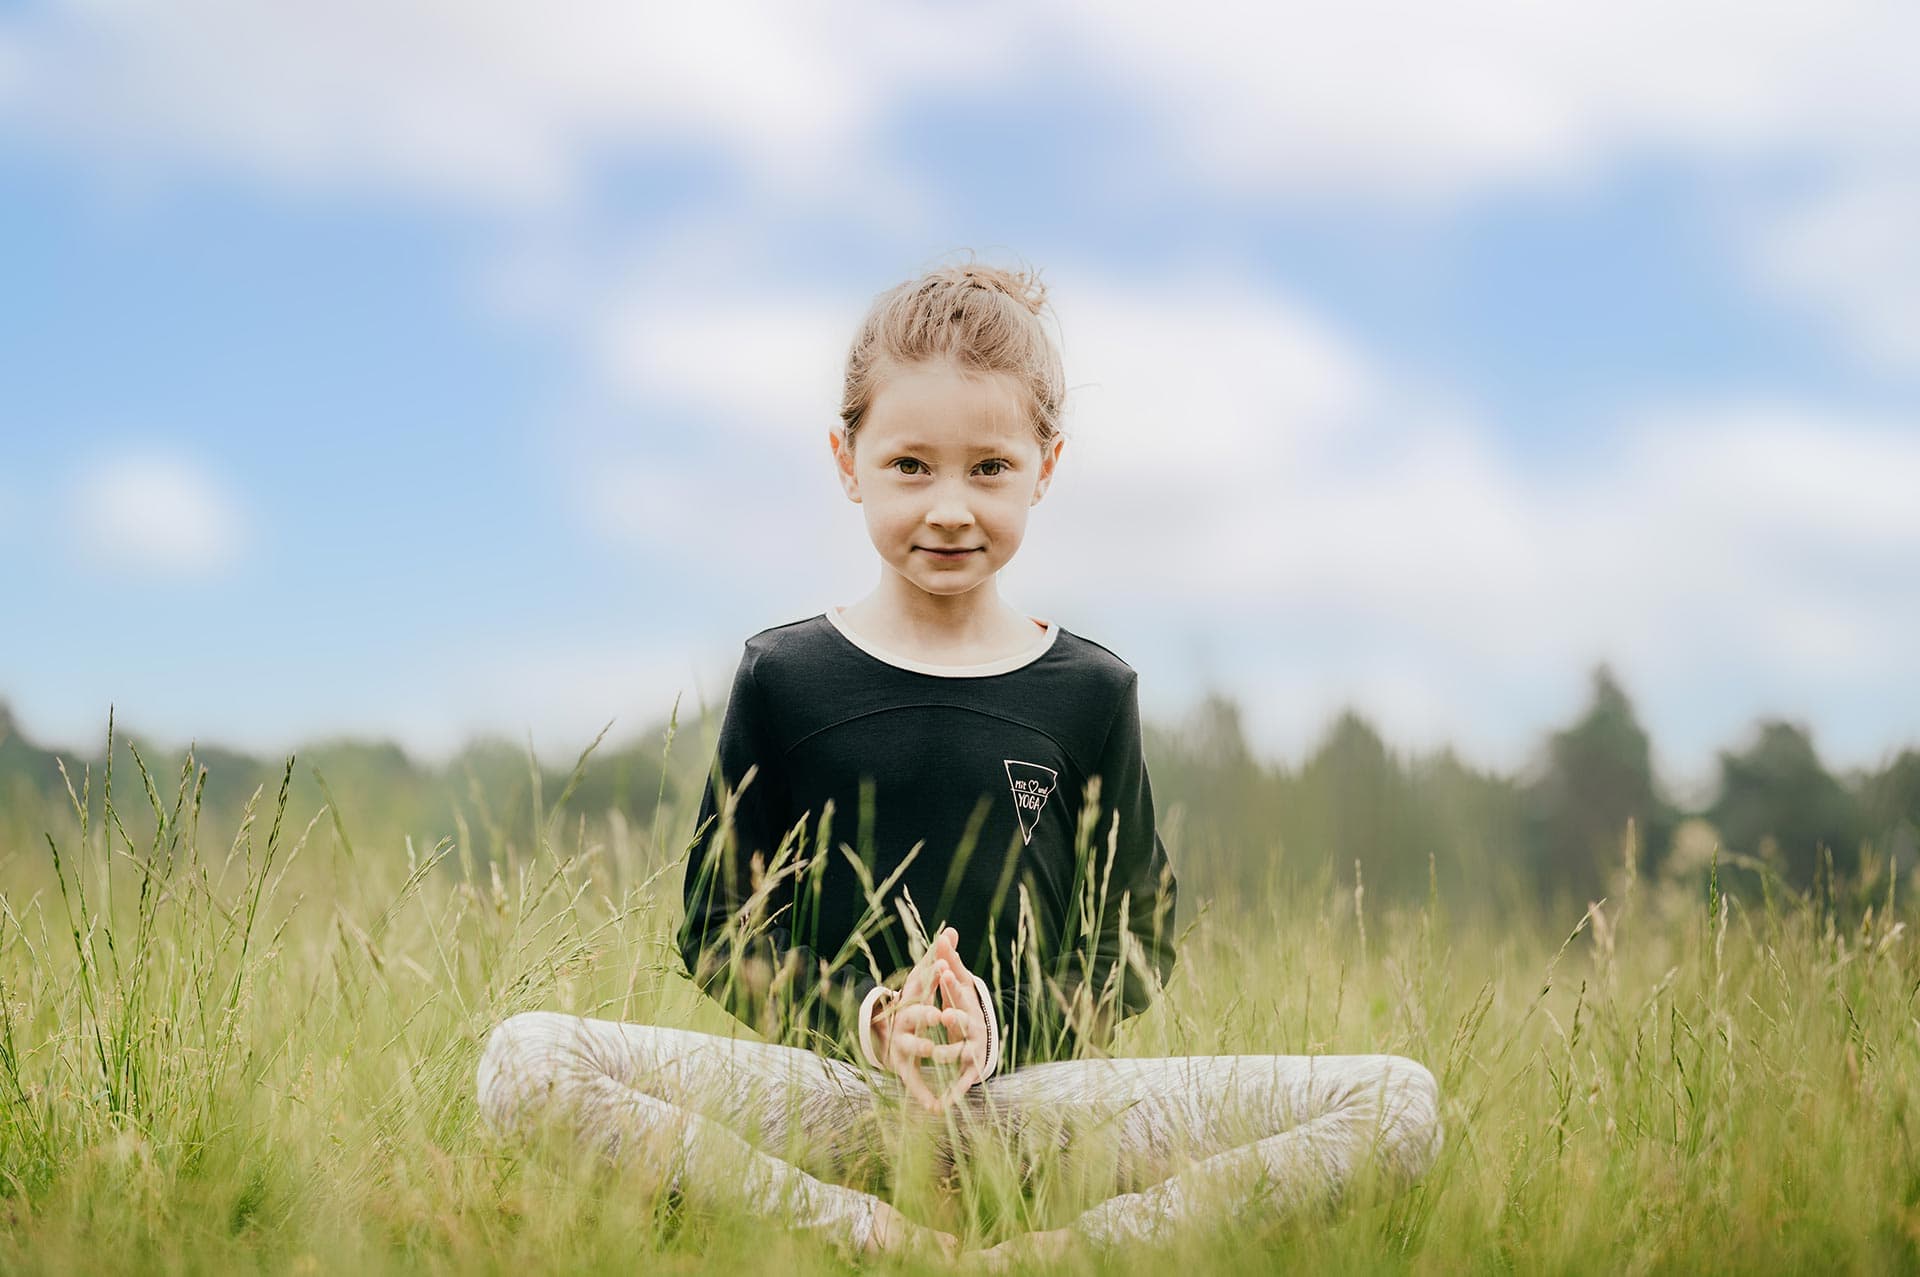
(949, 586)
(949, 581)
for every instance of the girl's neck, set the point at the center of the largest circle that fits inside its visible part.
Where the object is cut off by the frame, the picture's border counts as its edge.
(946, 628)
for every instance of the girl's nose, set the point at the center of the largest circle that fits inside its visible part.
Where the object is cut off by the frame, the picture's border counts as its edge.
(949, 512)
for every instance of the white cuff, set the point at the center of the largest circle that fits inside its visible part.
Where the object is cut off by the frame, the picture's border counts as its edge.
(866, 1026)
(993, 1029)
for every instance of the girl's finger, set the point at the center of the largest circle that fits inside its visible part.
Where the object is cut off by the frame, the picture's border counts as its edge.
(960, 1085)
(920, 984)
(916, 1015)
(909, 1074)
(912, 1045)
(962, 994)
(950, 987)
(948, 1053)
(952, 957)
(914, 1039)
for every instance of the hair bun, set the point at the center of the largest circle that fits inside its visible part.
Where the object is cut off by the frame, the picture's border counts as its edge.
(1023, 287)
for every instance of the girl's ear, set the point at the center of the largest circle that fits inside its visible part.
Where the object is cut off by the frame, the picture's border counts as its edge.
(1049, 458)
(843, 464)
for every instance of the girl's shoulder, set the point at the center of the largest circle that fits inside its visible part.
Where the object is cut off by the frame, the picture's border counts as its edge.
(1097, 656)
(787, 633)
(783, 644)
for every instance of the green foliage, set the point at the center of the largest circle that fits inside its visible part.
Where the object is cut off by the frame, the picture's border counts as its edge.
(250, 1044)
(1779, 804)
(1240, 830)
(1890, 806)
(1595, 783)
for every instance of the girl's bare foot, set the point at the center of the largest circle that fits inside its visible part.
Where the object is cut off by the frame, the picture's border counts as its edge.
(1028, 1248)
(894, 1232)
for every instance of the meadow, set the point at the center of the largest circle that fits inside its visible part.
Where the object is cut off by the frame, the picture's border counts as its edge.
(246, 1041)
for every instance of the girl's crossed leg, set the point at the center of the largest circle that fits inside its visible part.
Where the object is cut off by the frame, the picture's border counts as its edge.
(776, 1125)
(770, 1126)
(1199, 1135)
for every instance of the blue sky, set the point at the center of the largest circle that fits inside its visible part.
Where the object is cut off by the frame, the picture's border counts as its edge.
(413, 373)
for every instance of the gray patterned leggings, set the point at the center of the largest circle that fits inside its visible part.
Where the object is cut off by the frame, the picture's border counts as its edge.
(776, 1126)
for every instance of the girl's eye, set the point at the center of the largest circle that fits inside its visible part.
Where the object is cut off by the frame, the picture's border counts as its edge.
(909, 461)
(999, 467)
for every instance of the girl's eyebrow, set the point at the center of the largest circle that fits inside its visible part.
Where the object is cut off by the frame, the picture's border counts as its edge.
(984, 450)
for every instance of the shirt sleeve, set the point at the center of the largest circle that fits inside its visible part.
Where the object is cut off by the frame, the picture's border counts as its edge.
(1123, 887)
(737, 939)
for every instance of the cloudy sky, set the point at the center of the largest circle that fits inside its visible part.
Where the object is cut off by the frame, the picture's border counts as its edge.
(422, 368)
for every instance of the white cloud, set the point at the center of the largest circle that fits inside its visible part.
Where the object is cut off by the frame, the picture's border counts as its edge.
(1850, 253)
(1696, 533)
(734, 392)
(562, 691)
(13, 64)
(1845, 486)
(767, 364)
(1174, 379)
(497, 102)
(1442, 99)
(1713, 553)
(505, 102)
(559, 689)
(150, 513)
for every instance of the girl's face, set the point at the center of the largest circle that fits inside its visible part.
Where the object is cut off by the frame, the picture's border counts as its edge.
(946, 467)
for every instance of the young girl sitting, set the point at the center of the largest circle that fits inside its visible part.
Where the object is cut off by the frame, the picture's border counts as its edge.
(991, 765)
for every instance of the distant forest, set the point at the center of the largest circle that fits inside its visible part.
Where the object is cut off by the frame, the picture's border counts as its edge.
(1356, 813)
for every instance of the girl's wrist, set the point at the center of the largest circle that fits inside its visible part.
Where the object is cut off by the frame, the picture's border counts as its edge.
(874, 1023)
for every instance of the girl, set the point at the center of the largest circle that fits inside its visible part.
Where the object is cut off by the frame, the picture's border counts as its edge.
(991, 764)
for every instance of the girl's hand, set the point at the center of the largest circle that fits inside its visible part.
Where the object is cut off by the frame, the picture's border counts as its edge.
(960, 994)
(899, 1030)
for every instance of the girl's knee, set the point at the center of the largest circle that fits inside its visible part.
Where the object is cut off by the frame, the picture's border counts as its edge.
(528, 1032)
(1412, 1115)
(1415, 1081)
(519, 1060)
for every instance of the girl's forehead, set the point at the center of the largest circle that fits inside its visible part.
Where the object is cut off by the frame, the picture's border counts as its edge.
(937, 405)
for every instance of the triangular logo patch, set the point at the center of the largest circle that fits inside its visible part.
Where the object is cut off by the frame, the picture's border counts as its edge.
(1032, 784)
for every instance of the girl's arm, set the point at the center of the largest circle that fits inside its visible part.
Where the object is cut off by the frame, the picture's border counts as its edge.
(737, 939)
(1124, 887)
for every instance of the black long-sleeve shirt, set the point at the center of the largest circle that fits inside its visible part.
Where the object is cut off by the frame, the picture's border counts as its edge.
(885, 790)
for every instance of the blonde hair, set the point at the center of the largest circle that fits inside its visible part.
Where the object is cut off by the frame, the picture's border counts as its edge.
(980, 318)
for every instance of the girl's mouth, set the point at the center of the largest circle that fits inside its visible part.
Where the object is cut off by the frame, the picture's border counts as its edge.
(943, 554)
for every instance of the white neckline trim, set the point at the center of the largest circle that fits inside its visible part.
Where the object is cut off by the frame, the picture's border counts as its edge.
(1001, 666)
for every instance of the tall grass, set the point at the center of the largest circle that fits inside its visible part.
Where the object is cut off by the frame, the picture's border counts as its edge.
(253, 1048)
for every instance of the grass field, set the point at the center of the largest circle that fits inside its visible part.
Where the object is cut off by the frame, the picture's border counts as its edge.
(251, 1047)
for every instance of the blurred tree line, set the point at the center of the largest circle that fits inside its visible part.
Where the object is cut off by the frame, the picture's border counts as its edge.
(1558, 834)
(1355, 811)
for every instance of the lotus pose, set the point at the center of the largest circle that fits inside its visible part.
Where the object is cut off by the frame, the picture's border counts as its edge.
(930, 843)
